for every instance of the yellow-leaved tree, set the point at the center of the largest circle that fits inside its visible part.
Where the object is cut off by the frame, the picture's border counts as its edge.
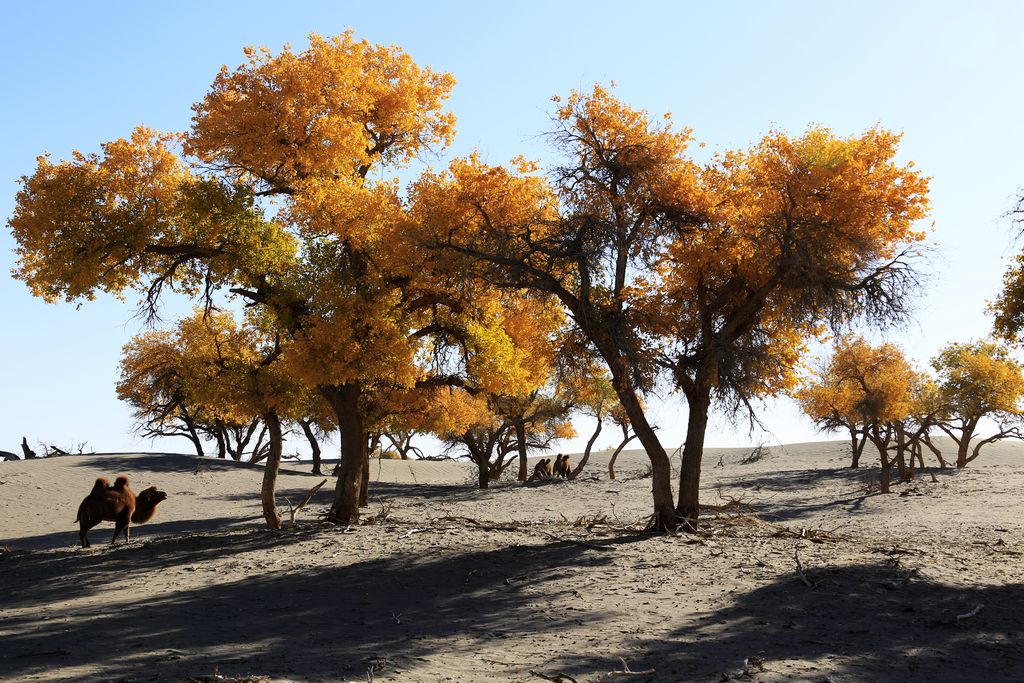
(801, 235)
(715, 276)
(585, 236)
(875, 391)
(283, 193)
(153, 385)
(976, 381)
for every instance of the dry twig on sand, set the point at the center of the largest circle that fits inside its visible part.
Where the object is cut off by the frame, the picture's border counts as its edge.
(730, 504)
(626, 671)
(557, 678)
(292, 511)
(218, 678)
(382, 516)
(485, 526)
(585, 544)
(799, 567)
(969, 615)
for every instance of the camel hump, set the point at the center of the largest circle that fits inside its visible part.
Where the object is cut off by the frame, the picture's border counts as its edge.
(101, 485)
(121, 483)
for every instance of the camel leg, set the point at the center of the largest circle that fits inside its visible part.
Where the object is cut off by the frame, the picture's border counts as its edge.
(120, 525)
(83, 531)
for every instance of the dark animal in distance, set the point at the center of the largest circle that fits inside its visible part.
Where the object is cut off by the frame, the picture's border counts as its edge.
(542, 470)
(562, 466)
(118, 504)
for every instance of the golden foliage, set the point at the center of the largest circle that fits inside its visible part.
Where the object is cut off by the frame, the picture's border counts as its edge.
(862, 385)
(977, 379)
(339, 107)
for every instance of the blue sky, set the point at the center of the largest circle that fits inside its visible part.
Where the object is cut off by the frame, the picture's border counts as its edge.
(945, 74)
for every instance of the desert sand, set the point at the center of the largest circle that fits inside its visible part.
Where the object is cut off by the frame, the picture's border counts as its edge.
(543, 581)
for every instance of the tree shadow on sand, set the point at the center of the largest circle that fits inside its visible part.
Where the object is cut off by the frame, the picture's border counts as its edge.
(863, 622)
(806, 493)
(162, 463)
(100, 535)
(316, 622)
(799, 480)
(872, 621)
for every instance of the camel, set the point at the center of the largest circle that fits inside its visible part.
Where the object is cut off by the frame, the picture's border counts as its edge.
(562, 466)
(542, 470)
(145, 504)
(118, 504)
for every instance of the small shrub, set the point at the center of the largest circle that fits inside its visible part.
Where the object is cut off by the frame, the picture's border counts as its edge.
(387, 455)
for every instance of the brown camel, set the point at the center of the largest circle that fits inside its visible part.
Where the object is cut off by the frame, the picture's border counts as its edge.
(542, 470)
(118, 504)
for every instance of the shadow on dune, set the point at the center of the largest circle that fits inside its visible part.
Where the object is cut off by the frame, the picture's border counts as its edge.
(811, 483)
(800, 480)
(865, 622)
(100, 535)
(323, 622)
(159, 463)
(379, 491)
(860, 622)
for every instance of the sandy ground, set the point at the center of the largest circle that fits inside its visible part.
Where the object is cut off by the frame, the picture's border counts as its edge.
(545, 581)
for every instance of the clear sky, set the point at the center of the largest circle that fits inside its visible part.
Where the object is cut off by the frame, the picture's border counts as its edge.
(945, 74)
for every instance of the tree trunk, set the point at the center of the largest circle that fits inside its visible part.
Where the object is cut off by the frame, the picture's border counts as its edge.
(348, 492)
(935, 450)
(901, 452)
(699, 402)
(886, 476)
(193, 436)
(314, 446)
(524, 472)
(962, 450)
(29, 453)
(918, 454)
(857, 447)
(364, 490)
(218, 434)
(661, 470)
(270, 470)
(259, 448)
(586, 452)
(882, 444)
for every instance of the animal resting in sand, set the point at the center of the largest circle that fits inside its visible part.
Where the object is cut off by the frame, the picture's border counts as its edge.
(562, 466)
(118, 504)
(542, 470)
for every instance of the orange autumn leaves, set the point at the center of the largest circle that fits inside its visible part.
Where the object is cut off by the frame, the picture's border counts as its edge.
(746, 249)
(284, 191)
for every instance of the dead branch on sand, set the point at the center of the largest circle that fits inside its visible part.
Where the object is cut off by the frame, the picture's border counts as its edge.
(730, 504)
(218, 678)
(626, 671)
(557, 678)
(381, 517)
(969, 615)
(751, 665)
(486, 526)
(292, 511)
(799, 567)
